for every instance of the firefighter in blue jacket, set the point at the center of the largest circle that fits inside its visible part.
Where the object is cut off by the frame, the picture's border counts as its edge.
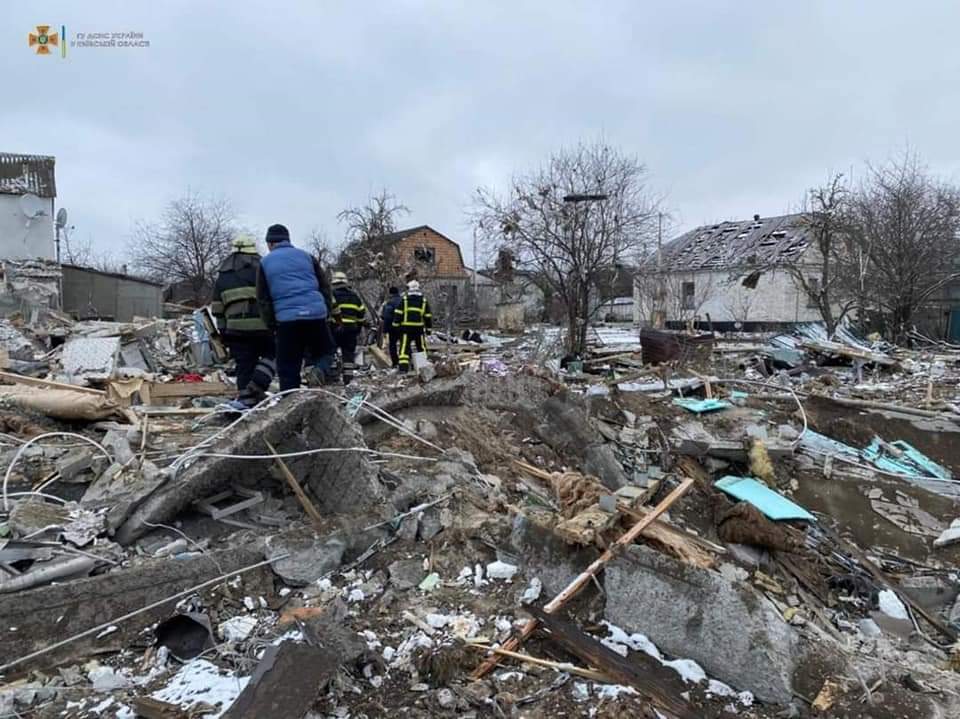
(295, 301)
(414, 320)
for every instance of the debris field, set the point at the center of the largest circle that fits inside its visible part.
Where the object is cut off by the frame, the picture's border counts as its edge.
(678, 526)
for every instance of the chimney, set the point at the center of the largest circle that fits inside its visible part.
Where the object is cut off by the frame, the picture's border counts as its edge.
(756, 218)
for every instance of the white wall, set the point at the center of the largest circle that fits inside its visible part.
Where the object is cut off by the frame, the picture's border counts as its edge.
(20, 240)
(776, 298)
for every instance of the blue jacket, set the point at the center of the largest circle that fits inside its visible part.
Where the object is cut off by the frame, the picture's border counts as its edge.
(388, 309)
(290, 286)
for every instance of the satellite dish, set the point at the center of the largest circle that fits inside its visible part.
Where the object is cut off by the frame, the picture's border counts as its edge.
(32, 206)
(62, 217)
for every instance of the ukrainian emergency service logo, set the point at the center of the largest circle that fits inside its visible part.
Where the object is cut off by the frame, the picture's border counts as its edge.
(42, 40)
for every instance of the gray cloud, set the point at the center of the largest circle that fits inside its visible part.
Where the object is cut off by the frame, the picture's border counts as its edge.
(295, 111)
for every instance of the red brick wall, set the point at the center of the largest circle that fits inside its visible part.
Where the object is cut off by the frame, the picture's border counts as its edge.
(446, 253)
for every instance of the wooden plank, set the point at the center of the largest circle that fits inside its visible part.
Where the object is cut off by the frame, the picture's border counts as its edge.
(577, 585)
(305, 502)
(168, 390)
(34, 382)
(150, 708)
(620, 669)
(380, 357)
(559, 666)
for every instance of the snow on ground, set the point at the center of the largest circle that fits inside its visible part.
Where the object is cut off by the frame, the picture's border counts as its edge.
(200, 681)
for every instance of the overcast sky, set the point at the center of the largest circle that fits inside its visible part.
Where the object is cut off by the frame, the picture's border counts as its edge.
(294, 110)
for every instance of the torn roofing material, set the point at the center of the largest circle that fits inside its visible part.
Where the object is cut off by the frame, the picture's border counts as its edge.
(20, 174)
(726, 245)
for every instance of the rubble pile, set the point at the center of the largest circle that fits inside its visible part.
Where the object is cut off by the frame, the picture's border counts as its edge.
(762, 526)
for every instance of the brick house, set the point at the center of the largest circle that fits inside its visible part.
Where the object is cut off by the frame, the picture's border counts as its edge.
(436, 259)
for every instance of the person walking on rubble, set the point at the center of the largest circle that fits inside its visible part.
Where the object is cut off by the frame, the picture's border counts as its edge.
(390, 328)
(295, 301)
(414, 320)
(237, 312)
(353, 317)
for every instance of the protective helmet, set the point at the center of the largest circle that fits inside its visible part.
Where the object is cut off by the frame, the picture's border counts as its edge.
(245, 244)
(339, 278)
(413, 286)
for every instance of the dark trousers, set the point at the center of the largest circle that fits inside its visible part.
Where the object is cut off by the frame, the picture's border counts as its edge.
(411, 340)
(393, 339)
(346, 338)
(246, 352)
(294, 341)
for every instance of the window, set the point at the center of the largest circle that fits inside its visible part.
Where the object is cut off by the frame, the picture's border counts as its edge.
(814, 284)
(427, 255)
(687, 292)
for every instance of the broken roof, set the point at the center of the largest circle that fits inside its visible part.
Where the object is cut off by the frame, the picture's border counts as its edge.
(20, 174)
(757, 242)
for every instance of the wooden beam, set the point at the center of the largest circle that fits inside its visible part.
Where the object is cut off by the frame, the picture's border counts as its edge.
(305, 502)
(35, 382)
(620, 669)
(559, 666)
(577, 585)
(179, 390)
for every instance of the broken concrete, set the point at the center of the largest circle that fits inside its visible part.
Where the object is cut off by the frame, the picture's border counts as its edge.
(36, 618)
(726, 626)
(310, 557)
(545, 555)
(341, 482)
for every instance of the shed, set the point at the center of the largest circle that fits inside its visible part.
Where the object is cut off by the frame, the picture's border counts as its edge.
(94, 294)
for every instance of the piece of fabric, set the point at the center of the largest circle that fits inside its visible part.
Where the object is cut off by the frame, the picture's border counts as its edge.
(246, 352)
(411, 340)
(294, 341)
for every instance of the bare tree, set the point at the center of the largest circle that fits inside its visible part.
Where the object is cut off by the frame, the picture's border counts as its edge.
(583, 212)
(368, 254)
(738, 301)
(320, 246)
(81, 253)
(822, 272)
(906, 222)
(187, 244)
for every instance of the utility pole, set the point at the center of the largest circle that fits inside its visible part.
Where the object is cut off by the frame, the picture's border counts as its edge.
(659, 318)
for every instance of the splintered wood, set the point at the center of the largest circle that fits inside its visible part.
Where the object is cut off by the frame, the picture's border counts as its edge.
(577, 585)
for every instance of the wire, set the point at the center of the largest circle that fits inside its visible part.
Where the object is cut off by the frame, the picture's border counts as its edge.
(320, 450)
(34, 493)
(130, 615)
(13, 462)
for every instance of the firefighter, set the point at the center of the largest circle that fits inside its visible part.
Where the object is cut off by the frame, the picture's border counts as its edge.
(414, 319)
(390, 328)
(353, 317)
(246, 335)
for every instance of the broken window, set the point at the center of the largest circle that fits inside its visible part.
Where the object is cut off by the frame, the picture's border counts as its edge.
(427, 255)
(687, 291)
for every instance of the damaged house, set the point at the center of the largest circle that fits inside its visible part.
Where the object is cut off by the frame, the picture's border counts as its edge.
(732, 275)
(28, 193)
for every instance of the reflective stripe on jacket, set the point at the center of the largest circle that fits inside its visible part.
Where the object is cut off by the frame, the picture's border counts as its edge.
(235, 295)
(352, 309)
(413, 311)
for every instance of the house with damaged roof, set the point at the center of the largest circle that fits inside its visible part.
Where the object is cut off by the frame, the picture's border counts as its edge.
(731, 275)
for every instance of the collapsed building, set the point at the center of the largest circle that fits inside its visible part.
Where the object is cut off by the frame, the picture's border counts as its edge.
(766, 527)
